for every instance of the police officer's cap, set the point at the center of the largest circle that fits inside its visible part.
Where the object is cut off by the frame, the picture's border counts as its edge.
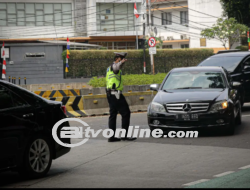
(121, 54)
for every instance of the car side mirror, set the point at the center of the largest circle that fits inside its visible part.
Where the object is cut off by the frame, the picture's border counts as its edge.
(247, 68)
(154, 87)
(236, 84)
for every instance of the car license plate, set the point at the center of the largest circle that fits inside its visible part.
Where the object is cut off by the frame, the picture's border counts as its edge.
(187, 117)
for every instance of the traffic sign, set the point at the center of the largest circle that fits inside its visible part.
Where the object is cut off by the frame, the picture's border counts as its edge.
(152, 42)
(152, 50)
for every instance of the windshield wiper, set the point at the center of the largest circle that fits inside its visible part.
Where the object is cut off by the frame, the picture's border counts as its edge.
(190, 88)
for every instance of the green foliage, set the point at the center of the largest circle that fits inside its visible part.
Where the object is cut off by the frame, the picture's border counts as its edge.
(88, 63)
(238, 9)
(227, 31)
(131, 80)
(243, 48)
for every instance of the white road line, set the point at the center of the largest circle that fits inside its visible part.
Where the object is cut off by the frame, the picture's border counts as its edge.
(196, 182)
(245, 167)
(223, 174)
(245, 115)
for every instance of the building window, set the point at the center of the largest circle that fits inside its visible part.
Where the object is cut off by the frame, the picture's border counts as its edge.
(117, 18)
(184, 17)
(116, 45)
(166, 18)
(152, 19)
(167, 47)
(183, 46)
(36, 14)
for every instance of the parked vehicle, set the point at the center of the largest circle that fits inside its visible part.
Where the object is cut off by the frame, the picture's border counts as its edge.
(196, 97)
(26, 142)
(238, 65)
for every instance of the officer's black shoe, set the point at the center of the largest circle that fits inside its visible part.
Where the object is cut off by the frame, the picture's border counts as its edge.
(128, 139)
(113, 139)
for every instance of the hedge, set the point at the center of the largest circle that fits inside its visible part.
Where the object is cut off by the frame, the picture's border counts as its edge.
(131, 80)
(242, 48)
(89, 63)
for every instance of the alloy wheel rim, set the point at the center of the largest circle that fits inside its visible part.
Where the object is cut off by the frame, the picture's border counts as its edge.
(39, 155)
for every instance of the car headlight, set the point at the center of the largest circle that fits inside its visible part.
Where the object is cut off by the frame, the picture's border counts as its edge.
(219, 106)
(156, 107)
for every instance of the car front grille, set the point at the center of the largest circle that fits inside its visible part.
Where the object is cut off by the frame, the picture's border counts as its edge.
(187, 107)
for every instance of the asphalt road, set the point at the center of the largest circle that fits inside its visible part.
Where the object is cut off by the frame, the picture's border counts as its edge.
(212, 160)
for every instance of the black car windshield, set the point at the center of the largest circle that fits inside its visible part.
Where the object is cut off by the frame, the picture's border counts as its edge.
(229, 63)
(194, 80)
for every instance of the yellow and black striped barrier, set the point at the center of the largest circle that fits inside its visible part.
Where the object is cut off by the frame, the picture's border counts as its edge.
(58, 93)
(74, 105)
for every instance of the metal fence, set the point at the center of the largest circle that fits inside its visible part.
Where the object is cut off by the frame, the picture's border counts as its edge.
(87, 68)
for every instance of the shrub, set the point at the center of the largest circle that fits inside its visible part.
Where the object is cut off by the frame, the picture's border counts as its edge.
(131, 80)
(242, 48)
(89, 63)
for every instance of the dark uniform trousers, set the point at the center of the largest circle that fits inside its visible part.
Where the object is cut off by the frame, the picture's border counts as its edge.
(121, 106)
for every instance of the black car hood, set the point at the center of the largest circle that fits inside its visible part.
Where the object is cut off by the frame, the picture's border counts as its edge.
(188, 95)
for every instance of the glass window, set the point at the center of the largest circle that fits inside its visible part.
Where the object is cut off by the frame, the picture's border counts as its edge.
(30, 20)
(229, 63)
(184, 17)
(20, 18)
(57, 6)
(20, 6)
(48, 20)
(3, 6)
(166, 18)
(39, 6)
(3, 18)
(39, 18)
(66, 8)
(58, 18)
(167, 47)
(11, 8)
(30, 8)
(48, 8)
(17, 101)
(183, 46)
(194, 79)
(11, 20)
(5, 98)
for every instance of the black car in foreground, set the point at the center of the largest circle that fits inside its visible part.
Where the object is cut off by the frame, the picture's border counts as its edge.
(196, 97)
(26, 142)
(238, 65)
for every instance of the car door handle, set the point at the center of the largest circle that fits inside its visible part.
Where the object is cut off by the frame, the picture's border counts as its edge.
(28, 115)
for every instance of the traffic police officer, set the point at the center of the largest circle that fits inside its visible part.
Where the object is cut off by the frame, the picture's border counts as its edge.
(116, 100)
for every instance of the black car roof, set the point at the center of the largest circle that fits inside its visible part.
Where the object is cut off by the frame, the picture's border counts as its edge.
(233, 54)
(208, 68)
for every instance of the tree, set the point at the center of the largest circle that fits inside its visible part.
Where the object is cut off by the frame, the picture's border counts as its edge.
(238, 9)
(226, 31)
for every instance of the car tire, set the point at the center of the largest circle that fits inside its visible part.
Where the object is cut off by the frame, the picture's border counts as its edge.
(37, 158)
(238, 117)
(231, 128)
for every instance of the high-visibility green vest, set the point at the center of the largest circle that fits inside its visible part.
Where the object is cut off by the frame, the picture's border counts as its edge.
(112, 78)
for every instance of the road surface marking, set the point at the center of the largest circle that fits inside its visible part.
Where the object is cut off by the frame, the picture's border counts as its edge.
(223, 174)
(196, 182)
(245, 115)
(245, 167)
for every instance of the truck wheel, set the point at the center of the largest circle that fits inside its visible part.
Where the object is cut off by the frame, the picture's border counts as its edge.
(37, 158)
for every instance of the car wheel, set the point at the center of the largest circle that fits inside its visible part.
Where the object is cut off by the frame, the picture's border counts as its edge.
(37, 158)
(231, 128)
(238, 118)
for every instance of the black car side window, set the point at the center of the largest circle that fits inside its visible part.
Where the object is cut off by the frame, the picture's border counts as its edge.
(17, 101)
(5, 98)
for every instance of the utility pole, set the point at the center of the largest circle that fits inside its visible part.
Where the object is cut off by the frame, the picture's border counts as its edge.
(149, 30)
(144, 34)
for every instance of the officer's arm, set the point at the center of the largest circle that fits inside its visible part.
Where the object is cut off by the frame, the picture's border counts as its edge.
(117, 66)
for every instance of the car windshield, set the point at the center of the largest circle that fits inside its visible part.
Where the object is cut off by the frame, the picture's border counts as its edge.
(229, 63)
(194, 80)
